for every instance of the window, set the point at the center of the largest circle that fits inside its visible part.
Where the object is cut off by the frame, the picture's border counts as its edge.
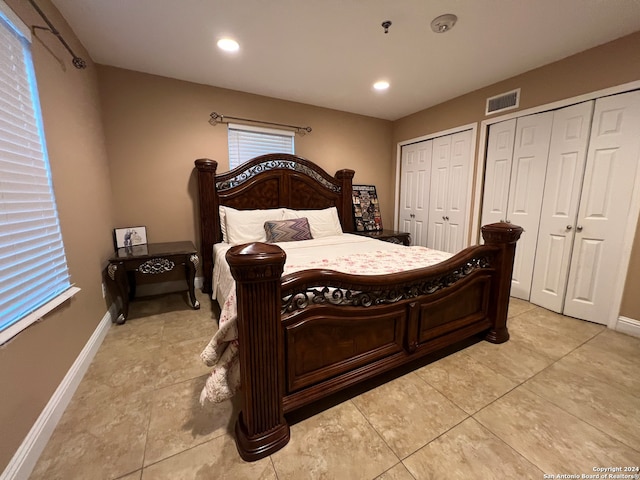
(34, 277)
(246, 142)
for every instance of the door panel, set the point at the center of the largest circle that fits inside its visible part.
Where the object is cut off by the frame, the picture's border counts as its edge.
(520, 197)
(600, 184)
(549, 263)
(458, 191)
(423, 179)
(437, 230)
(420, 232)
(438, 197)
(449, 191)
(498, 172)
(414, 190)
(588, 257)
(563, 185)
(612, 161)
(528, 171)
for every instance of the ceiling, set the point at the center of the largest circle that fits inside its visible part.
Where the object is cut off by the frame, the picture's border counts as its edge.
(329, 53)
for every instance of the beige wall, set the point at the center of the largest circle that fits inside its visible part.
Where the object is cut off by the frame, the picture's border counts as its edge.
(608, 65)
(33, 364)
(156, 127)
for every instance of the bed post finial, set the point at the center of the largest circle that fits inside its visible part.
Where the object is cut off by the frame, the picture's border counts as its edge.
(261, 428)
(505, 236)
(346, 179)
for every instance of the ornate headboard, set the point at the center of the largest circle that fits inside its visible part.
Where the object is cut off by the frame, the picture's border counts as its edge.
(269, 181)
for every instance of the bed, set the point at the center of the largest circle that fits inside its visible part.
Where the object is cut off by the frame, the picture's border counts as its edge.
(312, 333)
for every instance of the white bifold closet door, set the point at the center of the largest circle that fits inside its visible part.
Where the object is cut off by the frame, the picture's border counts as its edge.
(571, 255)
(612, 161)
(414, 190)
(449, 192)
(563, 185)
(514, 186)
(498, 171)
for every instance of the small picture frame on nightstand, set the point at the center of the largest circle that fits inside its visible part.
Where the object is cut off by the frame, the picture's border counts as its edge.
(129, 237)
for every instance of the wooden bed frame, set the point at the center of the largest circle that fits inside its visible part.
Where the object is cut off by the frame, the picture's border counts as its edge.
(310, 334)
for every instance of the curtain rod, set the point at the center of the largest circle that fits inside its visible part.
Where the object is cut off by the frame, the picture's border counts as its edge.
(77, 61)
(219, 118)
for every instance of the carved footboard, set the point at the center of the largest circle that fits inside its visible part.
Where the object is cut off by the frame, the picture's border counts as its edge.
(313, 333)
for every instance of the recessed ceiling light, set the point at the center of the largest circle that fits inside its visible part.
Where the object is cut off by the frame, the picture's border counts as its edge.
(381, 85)
(228, 45)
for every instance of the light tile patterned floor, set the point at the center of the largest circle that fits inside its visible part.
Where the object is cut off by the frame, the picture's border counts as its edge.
(561, 397)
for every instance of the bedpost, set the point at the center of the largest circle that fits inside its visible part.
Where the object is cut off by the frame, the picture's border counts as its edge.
(505, 236)
(261, 428)
(346, 178)
(209, 217)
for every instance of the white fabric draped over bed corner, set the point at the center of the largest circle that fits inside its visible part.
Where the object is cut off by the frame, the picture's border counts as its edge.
(344, 253)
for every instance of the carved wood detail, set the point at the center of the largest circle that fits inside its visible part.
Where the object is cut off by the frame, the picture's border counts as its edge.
(268, 181)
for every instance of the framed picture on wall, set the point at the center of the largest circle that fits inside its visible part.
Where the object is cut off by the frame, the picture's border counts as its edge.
(129, 236)
(366, 208)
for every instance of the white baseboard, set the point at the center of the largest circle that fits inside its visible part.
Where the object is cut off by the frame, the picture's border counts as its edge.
(628, 326)
(25, 458)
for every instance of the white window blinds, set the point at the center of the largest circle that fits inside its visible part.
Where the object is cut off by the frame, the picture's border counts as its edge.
(246, 142)
(33, 268)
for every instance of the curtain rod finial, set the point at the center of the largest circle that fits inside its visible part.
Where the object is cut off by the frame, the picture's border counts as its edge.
(79, 63)
(215, 118)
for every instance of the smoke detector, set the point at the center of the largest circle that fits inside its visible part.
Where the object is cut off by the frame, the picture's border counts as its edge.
(443, 23)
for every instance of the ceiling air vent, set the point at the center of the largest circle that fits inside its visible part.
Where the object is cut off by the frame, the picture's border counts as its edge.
(502, 102)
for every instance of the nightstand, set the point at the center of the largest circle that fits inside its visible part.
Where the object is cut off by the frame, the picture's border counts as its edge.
(156, 259)
(401, 238)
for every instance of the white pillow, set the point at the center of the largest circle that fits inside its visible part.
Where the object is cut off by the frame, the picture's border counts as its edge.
(323, 223)
(245, 226)
(222, 211)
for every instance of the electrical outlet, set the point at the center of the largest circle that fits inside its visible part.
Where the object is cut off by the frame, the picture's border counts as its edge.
(104, 291)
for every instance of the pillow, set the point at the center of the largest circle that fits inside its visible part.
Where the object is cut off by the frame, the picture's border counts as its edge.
(245, 226)
(323, 223)
(290, 230)
(222, 211)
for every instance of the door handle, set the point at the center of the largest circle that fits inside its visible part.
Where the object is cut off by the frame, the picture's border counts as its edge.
(569, 227)
(579, 228)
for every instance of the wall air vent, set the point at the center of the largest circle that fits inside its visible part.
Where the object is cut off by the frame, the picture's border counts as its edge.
(502, 102)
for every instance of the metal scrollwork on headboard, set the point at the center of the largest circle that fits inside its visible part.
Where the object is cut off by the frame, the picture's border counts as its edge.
(272, 165)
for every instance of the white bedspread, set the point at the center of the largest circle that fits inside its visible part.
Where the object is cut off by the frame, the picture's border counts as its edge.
(344, 253)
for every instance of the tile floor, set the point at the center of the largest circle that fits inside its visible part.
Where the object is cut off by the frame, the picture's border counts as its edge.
(561, 397)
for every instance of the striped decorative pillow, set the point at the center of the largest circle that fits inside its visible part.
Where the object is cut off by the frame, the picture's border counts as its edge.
(287, 230)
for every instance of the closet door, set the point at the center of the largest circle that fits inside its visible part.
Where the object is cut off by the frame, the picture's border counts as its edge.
(612, 160)
(438, 192)
(449, 191)
(529, 166)
(458, 191)
(563, 185)
(498, 171)
(414, 190)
